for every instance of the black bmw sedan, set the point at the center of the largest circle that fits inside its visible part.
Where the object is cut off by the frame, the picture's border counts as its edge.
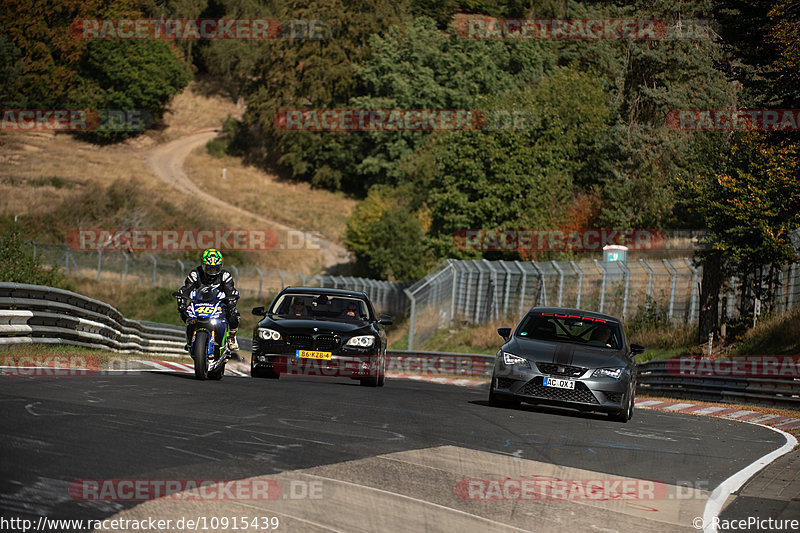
(316, 332)
(567, 358)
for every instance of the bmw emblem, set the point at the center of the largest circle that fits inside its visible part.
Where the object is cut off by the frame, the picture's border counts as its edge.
(316, 329)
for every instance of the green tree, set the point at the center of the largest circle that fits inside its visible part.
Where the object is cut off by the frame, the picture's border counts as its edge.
(751, 208)
(388, 238)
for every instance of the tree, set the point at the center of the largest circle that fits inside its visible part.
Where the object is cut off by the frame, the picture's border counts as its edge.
(750, 208)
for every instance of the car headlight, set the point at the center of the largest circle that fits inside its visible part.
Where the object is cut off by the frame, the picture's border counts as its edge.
(364, 341)
(608, 373)
(511, 359)
(269, 334)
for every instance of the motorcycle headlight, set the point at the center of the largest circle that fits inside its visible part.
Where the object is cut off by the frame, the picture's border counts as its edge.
(269, 334)
(608, 373)
(511, 359)
(364, 341)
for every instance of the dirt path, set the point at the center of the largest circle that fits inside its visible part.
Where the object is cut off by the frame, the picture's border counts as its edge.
(167, 160)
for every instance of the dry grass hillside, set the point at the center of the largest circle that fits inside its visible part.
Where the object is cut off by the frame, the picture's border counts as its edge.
(52, 184)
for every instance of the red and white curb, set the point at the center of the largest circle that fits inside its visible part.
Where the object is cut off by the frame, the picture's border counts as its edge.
(784, 423)
(238, 370)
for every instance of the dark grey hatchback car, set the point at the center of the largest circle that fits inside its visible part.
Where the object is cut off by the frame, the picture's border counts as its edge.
(567, 358)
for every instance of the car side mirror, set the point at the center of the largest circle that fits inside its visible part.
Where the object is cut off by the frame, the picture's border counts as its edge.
(505, 333)
(637, 348)
(385, 320)
(260, 311)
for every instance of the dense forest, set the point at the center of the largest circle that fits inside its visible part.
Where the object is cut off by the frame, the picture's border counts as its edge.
(596, 149)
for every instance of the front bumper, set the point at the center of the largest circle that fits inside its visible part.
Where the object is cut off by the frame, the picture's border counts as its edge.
(602, 394)
(348, 362)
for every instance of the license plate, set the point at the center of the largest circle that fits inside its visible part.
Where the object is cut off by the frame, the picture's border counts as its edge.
(311, 354)
(559, 383)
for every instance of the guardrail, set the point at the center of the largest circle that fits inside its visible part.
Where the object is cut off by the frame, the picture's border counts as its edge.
(38, 314)
(34, 313)
(779, 391)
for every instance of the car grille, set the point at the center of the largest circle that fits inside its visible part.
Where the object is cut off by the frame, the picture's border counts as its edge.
(580, 393)
(504, 383)
(309, 342)
(560, 370)
(614, 397)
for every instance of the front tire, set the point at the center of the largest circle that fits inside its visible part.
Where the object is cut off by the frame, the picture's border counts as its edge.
(627, 413)
(200, 355)
(497, 401)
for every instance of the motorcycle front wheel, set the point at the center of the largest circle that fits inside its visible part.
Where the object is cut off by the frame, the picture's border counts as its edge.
(200, 355)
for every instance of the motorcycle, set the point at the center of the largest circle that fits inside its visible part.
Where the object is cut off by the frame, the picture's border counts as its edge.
(208, 330)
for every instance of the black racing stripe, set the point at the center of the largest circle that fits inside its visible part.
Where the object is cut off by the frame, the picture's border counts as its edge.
(564, 354)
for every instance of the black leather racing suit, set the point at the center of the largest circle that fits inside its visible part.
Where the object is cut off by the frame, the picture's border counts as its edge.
(198, 278)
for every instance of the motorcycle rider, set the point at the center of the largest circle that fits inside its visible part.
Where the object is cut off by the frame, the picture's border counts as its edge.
(210, 272)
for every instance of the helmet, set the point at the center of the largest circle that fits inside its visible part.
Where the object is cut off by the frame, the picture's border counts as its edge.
(212, 262)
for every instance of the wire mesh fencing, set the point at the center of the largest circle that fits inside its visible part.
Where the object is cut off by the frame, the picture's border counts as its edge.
(465, 291)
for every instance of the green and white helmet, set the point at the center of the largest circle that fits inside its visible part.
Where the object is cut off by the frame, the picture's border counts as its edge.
(212, 262)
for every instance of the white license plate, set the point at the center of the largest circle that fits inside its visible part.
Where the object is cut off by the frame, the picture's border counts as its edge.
(559, 383)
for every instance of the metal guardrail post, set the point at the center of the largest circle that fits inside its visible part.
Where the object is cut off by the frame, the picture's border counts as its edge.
(99, 263)
(627, 288)
(649, 294)
(578, 269)
(693, 305)
(183, 269)
(66, 260)
(560, 281)
(125, 273)
(790, 293)
(412, 319)
(522, 288)
(493, 307)
(303, 279)
(544, 286)
(674, 283)
(155, 266)
(602, 284)
(453, 294)
(235, 273)
(260, 281)
(508, 287)
(34, 250)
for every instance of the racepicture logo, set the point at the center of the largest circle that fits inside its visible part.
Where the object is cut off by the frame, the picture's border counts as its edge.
(186, 29)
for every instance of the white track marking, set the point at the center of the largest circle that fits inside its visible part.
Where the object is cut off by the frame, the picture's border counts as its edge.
(424, 502)
(720, 494)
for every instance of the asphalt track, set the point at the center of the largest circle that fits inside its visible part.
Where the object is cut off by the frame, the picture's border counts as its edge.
(388, 459)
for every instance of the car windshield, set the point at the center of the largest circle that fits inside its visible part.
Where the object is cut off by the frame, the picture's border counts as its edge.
(572, 328)
(310, 305)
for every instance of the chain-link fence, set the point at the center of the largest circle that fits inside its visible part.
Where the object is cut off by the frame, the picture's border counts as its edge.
(478, 292)
(466, 291)
(157, 272)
